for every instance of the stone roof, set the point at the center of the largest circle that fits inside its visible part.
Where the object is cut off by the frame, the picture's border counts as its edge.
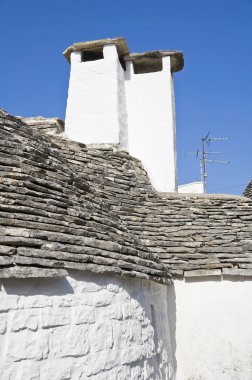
(150, 59)
(51, 220)
(192, 234)
(248, 190)
(49, 125)
(67, 205)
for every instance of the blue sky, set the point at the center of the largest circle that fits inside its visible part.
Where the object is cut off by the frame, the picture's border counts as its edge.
(213, 92)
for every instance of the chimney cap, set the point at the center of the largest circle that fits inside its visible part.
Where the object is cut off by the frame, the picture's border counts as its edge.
(120, 43)
(151, 58)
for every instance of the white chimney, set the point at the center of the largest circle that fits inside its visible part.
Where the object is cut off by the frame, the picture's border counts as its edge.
(120, 98)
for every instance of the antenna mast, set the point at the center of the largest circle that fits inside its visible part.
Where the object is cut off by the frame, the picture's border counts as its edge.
(204, 160)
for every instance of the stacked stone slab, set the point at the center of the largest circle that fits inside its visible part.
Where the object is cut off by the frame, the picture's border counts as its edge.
(51, 220)
(193, 235)
(45, 125)
(248, 190)
(93, 207)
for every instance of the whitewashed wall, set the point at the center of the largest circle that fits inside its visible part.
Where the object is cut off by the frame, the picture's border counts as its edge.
(86, 326)
(122, 108)
(151, 123)
(214, 330)
(191, 188)
(107, 105)
(96, 100)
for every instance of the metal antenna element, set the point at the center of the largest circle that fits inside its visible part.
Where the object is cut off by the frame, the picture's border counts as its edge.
(202, 156)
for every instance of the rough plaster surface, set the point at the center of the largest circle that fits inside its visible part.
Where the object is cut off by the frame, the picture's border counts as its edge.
(95, 99)
(214, 330)
(86, 326)
(151, 128)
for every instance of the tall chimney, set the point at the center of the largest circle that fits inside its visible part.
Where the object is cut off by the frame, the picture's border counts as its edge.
(127, 99)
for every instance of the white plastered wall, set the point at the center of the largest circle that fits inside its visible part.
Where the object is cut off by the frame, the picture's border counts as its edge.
(151, 123)
(109, 106)
(192, 188)
(87, 326)
(214, 329)
(96, 101)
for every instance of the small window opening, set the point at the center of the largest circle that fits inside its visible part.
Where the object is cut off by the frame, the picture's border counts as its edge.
(147, 66)
(92, 55)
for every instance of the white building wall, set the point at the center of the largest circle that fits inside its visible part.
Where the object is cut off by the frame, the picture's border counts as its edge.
(122, 108)
(214, 330)
(151, 129)
(107, 105)
(192, 188)
(86, 326)
(95, 106)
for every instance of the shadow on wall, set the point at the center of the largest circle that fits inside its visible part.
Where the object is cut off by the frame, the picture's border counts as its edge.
(232, 278)
(203, 279)
(171, 303)
(158, 304)
(37, 286)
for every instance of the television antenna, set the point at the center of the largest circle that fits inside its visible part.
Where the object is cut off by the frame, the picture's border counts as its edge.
(204, 160)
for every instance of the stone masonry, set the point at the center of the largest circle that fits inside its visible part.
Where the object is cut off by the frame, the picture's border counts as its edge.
(248, 190)
(93, 207)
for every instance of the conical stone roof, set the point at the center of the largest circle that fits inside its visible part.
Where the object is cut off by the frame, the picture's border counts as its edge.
(52, 221)
(65, 205)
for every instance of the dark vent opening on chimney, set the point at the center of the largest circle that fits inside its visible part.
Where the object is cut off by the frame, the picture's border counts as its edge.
(92, 55)
(145, 66)
(122, 62)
